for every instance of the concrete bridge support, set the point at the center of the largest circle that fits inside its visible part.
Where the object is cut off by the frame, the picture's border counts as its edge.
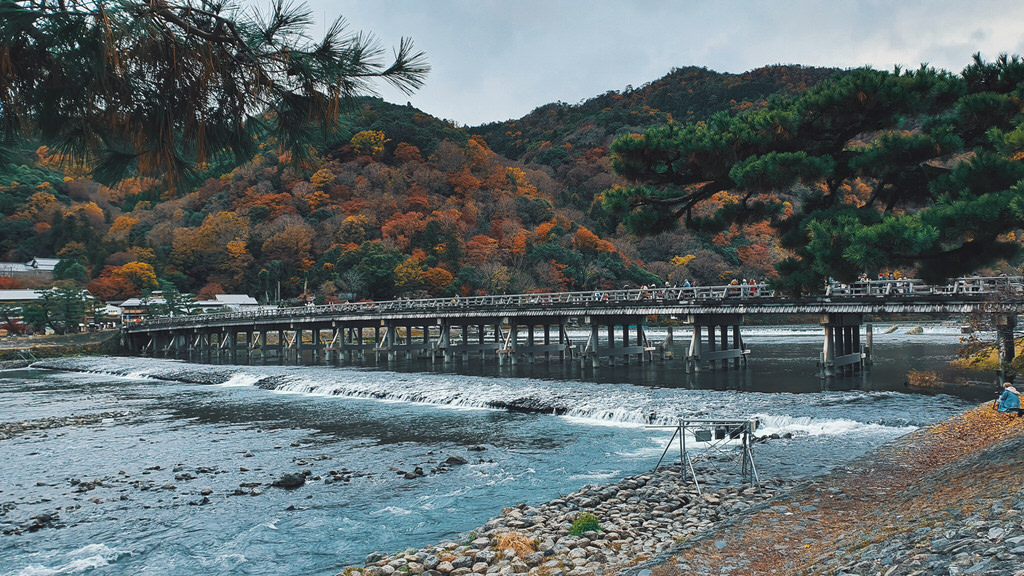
(712, 342)
(842, 353)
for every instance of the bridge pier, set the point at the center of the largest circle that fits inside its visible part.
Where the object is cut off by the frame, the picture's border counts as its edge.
(389, 341)
(462, 344)
(717, 345)
(1004, 325)
(842, 353)
(535, 343)
(611, 350)
(669, 339)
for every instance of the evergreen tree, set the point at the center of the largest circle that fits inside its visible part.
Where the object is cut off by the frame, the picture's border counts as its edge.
(911, 169)
(161, 85)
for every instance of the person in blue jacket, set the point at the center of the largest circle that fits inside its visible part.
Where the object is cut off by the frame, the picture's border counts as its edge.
(1009, 401)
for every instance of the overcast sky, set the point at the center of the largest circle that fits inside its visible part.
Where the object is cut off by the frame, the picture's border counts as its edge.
(491, 61)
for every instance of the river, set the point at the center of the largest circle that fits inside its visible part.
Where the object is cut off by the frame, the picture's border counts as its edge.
(175, 478)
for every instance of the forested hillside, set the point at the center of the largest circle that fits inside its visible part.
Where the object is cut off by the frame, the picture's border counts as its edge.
(398, 203)
(918, 171)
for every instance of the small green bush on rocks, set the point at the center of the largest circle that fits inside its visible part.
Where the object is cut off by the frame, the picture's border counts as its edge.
(585, 522)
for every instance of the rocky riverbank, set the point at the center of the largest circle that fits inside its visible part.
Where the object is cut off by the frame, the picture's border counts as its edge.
(638, 518)
(17, 352)
(947, 499)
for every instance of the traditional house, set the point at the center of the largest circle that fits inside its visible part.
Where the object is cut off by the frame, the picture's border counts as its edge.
(35, 272)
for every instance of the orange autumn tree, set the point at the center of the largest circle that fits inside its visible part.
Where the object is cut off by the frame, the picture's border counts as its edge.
(437, 280)
(203, 252)
(122, 282)
(480, 249)
(109, 288)
(402, 228)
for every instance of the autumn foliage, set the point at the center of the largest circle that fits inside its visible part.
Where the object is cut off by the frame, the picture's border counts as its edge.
(402, 204)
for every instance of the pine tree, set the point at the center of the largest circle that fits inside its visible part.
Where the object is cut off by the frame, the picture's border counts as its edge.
(159, 86)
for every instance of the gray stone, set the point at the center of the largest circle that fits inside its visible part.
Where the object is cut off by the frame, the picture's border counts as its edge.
(487, 556)
(534, 559)
(290, 481)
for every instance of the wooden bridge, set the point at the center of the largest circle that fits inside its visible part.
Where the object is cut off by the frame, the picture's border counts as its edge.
(569, 326)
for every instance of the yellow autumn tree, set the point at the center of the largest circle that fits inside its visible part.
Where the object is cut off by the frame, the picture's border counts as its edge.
(408, 274)
(239, 259)
(321, 177)
(139, 274)
(680, 261)
(369, 143)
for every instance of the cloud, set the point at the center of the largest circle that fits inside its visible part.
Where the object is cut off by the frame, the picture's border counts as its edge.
(498, 60)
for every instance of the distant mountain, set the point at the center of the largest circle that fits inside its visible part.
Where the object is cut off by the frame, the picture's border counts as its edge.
(570, 137)
(684, 94)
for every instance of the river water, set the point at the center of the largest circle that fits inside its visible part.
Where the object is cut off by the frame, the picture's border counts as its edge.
(127, 492)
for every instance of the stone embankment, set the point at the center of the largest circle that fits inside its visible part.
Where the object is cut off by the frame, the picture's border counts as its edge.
(640, 517)
(947, 499)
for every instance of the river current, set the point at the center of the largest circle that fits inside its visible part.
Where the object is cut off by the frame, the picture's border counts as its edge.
(176, 477)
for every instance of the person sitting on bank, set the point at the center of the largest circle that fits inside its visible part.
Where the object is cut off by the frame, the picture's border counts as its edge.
(1009, 401)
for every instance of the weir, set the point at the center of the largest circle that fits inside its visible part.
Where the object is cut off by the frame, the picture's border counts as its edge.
(592, 328)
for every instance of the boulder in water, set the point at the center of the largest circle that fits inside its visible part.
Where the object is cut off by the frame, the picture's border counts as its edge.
(290, 481)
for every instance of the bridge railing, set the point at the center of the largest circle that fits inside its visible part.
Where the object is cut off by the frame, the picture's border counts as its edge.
(981, 285)
(595, 299)
(496, 302)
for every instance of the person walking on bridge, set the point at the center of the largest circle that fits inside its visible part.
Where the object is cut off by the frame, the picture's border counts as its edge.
(1009, 401)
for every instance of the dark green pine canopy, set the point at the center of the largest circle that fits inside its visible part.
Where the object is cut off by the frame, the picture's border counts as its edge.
(157, 86)
(940, 155)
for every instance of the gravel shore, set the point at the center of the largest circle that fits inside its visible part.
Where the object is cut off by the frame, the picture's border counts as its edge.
(947, 499)
(639, 516)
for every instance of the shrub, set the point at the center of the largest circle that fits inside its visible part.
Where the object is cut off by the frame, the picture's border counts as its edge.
(522, 544)
(585, 522)
(922, 379)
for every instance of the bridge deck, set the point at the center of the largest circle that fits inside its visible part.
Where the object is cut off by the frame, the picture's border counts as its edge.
(965, 296)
